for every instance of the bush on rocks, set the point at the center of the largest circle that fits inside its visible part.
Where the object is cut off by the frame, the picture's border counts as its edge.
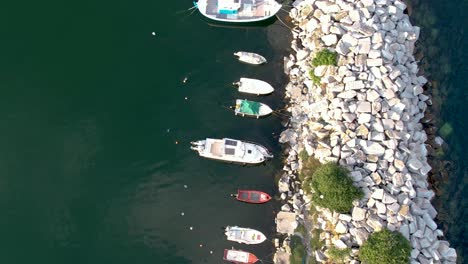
(315, 79)
(324, 57)
(385, 247)
(309, 165)
(333, 188)
(339, 255)
(298, 252)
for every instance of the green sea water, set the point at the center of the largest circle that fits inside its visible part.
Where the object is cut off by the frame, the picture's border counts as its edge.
(95, 125)
(441, 51)
(92, 105)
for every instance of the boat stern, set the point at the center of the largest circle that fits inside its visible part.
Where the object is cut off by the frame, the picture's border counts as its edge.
(198, 146)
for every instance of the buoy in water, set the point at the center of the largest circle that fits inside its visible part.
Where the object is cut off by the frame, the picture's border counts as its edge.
(153, 33)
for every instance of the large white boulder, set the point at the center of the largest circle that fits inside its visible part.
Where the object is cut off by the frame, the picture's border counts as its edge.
(329, 39)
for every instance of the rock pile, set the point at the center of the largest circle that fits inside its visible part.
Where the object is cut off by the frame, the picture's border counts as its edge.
(364, 114)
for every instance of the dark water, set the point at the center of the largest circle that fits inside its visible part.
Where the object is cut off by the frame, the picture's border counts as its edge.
(443, 45)
(91, 108)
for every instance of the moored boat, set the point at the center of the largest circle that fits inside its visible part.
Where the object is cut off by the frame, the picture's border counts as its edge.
(231, 150)
(238, 11)
(239, 256)
(252, 196)
(250, 57)
(254, 86)
(251, 108)
(244, 235)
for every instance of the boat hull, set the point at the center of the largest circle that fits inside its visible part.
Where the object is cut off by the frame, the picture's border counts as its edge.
(254, 86)
(231, 151)
(250, 57)
(264, 110)
(252, 196)
(239, 257)
(244, 235)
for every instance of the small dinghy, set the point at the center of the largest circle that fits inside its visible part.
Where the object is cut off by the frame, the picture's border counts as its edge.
(244, 235)
(254, 86)
(250, 57)
(251, 108)
(252, 196)
(231, 150)
(239, 257)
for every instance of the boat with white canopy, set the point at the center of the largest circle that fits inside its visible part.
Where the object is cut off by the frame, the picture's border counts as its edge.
(238, 11)
(250, 57)
(231, 150)
(244, 235)
(254, 86)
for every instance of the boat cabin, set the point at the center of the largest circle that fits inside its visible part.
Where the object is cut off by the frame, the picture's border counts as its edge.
(228, 7)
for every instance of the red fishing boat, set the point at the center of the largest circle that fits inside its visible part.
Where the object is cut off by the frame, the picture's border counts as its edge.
(252, 196)
(239, 257)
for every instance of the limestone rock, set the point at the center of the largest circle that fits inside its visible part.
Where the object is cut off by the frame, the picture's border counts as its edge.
(358, 214)
(329, 40)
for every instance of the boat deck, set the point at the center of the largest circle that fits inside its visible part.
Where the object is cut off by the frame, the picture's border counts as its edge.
(217, 148)
(248, 9)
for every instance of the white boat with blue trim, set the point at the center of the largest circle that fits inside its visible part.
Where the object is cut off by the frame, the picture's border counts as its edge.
(244, 235)
(238, 11)
(231, 150)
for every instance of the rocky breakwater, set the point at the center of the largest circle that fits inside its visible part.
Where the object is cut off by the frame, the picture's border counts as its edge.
(363, 113)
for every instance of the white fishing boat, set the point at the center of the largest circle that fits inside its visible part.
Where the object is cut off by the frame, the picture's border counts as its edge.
(231, 150)
(244, 235)
(251, 108)
(254, 86)
(238, 11)
(250, 57)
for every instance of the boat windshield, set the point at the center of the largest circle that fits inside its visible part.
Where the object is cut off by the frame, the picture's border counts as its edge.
(231, 142)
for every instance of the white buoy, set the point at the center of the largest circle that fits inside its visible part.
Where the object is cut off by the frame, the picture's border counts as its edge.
(191, 228)
(153, 33)
(182, 214)
(185, 186)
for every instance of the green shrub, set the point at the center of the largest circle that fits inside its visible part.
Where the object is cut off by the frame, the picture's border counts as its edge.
(333, 188)
(309, 166)
(298, 252)
(324, 57)
(303, 155)
(315, 79)
(338, 255)
(301, 230)
(315, 242)
(385, 247)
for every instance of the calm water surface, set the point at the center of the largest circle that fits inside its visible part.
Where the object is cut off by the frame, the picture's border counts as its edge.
(92, 107)
(444, 41)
